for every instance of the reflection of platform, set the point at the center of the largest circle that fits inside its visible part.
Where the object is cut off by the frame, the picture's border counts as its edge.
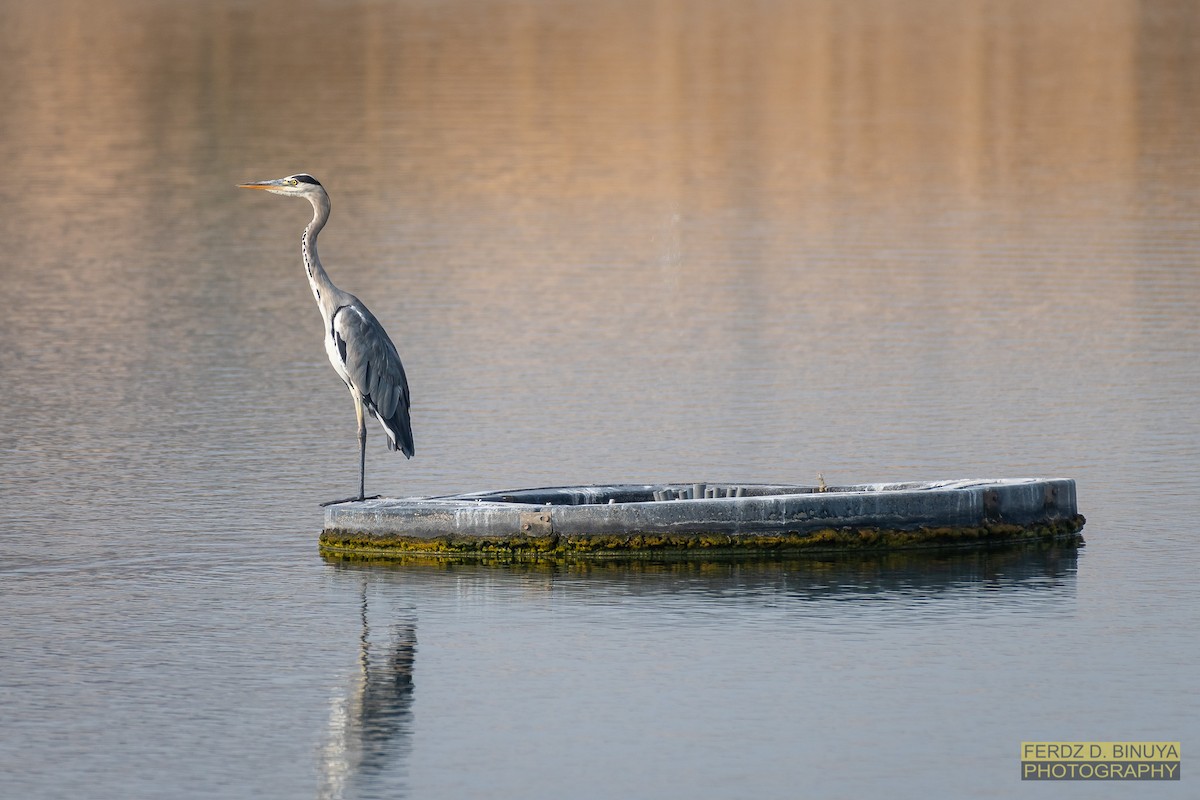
(699, 520)
(1021, 573)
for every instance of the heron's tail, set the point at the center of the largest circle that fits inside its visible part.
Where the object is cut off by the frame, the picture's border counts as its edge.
(399, 429)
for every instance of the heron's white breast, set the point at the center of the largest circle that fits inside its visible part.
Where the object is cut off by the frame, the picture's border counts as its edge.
(335, 358)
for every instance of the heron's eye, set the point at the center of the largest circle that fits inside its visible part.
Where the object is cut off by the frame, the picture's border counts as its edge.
(293, 182)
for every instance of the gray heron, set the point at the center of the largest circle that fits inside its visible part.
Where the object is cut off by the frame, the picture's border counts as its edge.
(358, 347)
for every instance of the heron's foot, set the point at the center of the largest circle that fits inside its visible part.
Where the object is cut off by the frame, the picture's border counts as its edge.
(350, 500)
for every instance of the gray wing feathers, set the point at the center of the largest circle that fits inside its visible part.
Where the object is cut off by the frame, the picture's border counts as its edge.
(374, 368)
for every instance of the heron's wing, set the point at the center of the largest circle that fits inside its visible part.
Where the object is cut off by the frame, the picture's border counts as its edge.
(370, 360)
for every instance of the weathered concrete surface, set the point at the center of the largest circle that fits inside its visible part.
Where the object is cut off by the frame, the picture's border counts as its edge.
(626, 520)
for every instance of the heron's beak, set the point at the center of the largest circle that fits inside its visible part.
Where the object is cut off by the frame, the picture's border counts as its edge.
(260, 185)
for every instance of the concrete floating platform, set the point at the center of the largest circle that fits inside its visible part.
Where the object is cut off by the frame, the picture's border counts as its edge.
(699, 520)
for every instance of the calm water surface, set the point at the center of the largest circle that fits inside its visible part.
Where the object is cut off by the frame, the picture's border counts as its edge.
(614, 241)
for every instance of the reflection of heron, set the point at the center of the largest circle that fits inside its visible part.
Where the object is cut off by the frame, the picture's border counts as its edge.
(371, 724)
(358, 347)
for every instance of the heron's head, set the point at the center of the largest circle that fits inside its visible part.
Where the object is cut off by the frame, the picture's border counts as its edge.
(302, 185)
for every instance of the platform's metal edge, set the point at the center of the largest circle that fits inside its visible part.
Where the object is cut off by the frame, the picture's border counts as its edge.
(945, 513)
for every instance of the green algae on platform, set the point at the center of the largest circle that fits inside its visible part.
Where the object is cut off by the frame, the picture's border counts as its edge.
(866, 564)
(700, 545)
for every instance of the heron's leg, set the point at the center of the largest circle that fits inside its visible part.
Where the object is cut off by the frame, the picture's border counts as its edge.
(362, 448)
(362, 457)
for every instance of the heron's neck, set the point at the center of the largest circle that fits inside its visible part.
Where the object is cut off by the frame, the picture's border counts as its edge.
(318, 281)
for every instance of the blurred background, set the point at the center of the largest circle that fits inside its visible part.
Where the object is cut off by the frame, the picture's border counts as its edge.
(614, 242)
